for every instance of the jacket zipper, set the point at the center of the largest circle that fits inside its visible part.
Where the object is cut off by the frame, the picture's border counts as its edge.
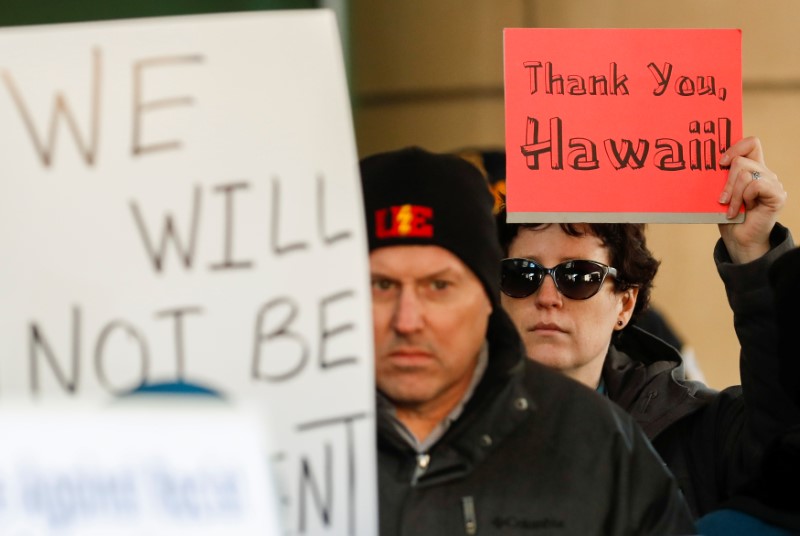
(423, 461)
(650, 396)
(470, 520)
(467, 503)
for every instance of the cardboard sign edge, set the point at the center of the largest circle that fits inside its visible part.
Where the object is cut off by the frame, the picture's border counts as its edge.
(621, 217)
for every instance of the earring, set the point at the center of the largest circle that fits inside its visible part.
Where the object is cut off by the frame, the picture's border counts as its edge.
(620, 323)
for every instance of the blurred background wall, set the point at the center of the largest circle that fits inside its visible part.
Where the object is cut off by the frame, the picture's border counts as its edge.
(431, 74)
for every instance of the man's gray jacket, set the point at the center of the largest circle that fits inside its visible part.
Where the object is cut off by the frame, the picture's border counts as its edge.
(533, 453)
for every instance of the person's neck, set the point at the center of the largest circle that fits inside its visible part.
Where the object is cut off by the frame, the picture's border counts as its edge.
(589, 374)
(421, 419)
(422, 423)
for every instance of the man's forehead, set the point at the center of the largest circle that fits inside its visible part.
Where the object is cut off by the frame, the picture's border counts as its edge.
(415, 261)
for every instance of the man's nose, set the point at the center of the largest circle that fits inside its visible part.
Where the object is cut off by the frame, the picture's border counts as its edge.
(408, 317)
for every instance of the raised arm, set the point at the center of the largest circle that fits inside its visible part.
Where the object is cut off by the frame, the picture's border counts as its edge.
(744, 256)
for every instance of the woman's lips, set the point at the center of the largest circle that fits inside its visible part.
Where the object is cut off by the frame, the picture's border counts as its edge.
(548, 327)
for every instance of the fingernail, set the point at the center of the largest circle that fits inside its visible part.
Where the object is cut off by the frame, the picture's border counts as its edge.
(723, 160)
(723, 198)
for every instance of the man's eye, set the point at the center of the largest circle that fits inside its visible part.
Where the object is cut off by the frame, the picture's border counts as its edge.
(382, 284)
(439, 284)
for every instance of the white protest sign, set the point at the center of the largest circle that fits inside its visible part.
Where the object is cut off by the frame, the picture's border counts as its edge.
(179, 202)
(158, 473)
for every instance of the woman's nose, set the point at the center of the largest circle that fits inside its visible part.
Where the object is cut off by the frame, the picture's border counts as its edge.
(548, 294)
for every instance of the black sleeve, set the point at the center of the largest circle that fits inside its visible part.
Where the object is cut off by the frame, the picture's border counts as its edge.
(767, 408)
(649, 497)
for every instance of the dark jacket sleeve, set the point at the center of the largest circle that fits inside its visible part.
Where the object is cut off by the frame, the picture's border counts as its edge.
(767, 408)
(772, 495)
(649, 498)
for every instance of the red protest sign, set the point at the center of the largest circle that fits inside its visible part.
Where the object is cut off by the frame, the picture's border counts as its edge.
(621, 125)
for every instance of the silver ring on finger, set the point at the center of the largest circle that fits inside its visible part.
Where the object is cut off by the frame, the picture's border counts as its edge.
(756, 175)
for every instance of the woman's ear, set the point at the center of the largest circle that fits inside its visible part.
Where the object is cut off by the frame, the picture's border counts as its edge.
(628, 303)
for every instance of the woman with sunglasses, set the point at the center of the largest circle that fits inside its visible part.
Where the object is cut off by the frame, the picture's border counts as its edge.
(574, 291)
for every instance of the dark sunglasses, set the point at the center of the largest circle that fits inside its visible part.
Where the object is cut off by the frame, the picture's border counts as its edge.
(577, 280)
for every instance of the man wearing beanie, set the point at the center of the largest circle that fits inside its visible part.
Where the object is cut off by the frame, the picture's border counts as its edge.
(474, 438)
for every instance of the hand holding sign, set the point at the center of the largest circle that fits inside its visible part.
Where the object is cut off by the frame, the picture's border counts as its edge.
(751, 183)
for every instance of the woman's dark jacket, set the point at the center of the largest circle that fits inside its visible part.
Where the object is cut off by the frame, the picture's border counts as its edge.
(533, 453)
(711, 441)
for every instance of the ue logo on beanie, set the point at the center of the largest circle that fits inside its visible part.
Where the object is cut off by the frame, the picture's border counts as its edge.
(404, 221)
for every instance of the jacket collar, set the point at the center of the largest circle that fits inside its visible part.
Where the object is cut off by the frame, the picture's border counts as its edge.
(490, 415)
(644, 375)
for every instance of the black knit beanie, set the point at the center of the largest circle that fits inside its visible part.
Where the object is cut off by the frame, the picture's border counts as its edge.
(414, 197)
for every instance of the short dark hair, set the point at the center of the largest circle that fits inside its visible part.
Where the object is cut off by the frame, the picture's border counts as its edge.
(626, 245)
